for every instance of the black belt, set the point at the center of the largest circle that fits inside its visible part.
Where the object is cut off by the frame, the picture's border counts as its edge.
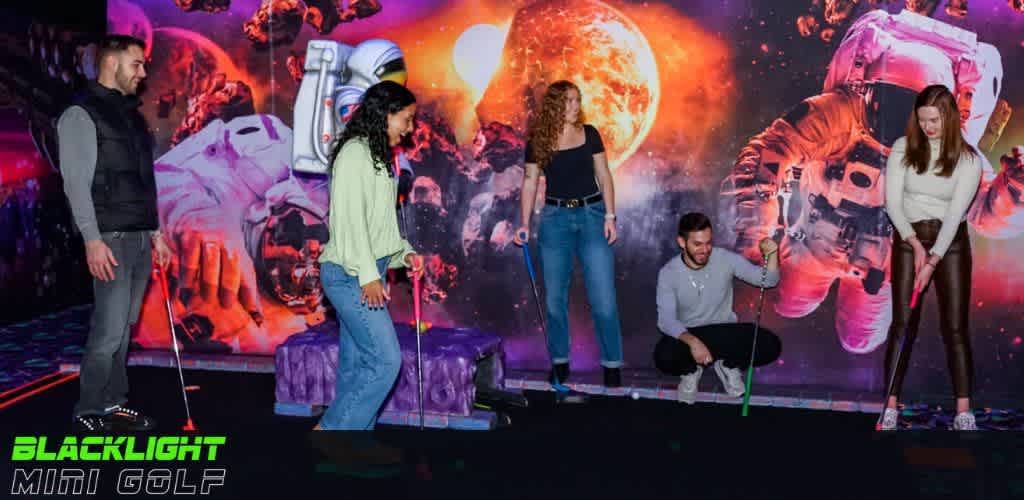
(575, 202)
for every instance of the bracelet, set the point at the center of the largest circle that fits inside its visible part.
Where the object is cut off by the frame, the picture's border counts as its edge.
(610, 216)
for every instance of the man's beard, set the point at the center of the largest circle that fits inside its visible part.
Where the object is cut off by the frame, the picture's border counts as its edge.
(124, 83)
(694, 259)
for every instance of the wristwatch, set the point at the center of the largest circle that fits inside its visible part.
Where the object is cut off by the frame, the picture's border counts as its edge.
(610, 216)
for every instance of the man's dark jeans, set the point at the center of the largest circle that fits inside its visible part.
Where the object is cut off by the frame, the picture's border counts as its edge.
(104, 373)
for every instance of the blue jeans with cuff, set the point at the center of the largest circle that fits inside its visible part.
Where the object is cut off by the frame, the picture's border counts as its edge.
(565, 233)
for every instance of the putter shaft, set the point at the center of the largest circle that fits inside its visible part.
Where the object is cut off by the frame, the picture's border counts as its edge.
(174, 341)
(753, 346)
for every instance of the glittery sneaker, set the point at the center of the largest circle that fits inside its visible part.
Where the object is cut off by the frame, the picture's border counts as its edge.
(890, 419)
(964, 422)
(687, 390)
(732, 379)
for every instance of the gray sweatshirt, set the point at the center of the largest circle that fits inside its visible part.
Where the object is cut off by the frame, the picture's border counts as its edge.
(76, 140)
(697, 297)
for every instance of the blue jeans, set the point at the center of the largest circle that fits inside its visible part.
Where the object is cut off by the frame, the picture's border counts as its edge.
(565, 232)
(369, 357)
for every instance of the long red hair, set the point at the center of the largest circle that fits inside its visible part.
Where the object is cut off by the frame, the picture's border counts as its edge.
(547, 126)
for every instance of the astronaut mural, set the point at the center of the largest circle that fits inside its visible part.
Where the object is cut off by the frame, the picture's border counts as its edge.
(775, 118)
(815, 178)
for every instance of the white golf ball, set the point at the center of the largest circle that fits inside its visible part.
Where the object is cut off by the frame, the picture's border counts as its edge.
(636, 395)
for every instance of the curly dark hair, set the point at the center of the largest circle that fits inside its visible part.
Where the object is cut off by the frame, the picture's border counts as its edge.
(370, 121)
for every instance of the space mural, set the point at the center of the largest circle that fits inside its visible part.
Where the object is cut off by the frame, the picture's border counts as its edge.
(772, 117)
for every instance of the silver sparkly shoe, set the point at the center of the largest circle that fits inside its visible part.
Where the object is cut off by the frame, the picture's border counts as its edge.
(890, 419)
(964, 421)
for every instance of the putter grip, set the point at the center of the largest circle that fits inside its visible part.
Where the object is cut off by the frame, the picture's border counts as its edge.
(416, 288)
(161, 276)
(529, 262)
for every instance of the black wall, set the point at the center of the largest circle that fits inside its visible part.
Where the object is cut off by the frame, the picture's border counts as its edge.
(42, 261)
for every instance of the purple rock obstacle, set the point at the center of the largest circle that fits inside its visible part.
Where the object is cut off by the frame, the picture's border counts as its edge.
(455, 362)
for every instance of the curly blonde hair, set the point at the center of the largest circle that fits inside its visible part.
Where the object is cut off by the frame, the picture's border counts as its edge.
(549, 121)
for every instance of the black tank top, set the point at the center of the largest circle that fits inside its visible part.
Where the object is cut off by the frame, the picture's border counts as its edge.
(570, 173)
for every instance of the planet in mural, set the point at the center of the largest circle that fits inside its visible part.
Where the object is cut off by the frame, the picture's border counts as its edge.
(590, 44)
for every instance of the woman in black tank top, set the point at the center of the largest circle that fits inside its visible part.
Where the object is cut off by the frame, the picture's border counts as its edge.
(577, 219)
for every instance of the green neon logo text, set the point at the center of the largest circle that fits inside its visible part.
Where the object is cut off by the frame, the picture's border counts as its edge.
(117, 448)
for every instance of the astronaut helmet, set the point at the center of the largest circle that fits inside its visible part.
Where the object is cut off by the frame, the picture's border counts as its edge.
(978, 83)
(374, 61)
(346, 101)
(908, 52)
(912, 66)
(287, 250)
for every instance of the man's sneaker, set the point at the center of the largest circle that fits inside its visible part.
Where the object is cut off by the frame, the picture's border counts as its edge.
(127, 419)
(964, 422)
(88, 424)
(732, 379)
(890, 419)
(687, 390)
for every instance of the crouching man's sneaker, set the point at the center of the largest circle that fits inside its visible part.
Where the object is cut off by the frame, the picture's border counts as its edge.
(126, 419)
(732, 379)
(687, 390)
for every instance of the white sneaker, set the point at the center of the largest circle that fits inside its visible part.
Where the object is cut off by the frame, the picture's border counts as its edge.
(687, 390)
(964, 422)
(890, 419)
(732, 379)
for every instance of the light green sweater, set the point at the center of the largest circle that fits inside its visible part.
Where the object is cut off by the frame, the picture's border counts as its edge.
(363, 222)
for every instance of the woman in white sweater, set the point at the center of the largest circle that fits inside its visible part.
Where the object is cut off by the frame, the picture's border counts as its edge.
(931, 178)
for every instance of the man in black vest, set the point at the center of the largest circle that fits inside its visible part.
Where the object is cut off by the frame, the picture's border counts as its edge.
(106, 159)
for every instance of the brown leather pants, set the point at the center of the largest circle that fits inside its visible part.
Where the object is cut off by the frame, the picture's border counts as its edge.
(952, 281)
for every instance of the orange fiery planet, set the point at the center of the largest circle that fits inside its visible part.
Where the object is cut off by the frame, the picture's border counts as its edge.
(672, 136)
(590, 44)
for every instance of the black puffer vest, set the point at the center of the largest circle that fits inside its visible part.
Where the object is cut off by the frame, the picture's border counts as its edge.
(123, 188)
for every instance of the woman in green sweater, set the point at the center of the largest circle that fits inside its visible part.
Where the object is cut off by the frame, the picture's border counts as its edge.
(364, 242)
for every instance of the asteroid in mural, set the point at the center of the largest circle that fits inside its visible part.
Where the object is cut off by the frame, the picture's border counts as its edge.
(281, 28)
(212, 6)
(223, 99)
